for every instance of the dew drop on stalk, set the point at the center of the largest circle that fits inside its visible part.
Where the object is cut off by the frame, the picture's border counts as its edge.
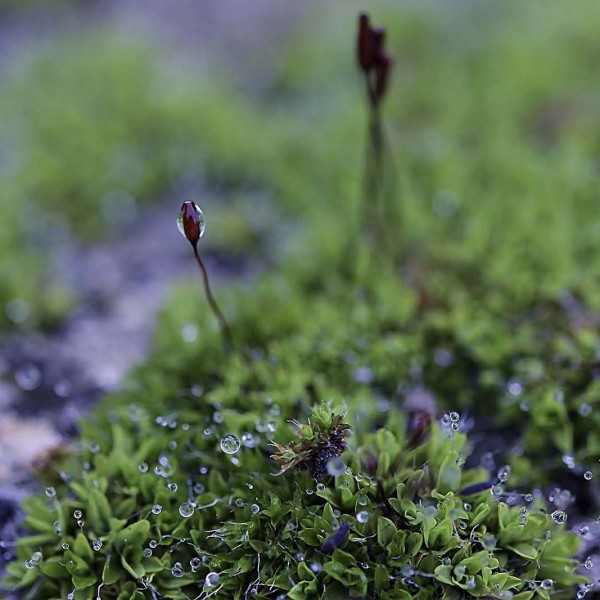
(547, 584)
(50, 492)
(212, 579)
(97, 545)
(230, 444)
(186, 510)
(190, 221)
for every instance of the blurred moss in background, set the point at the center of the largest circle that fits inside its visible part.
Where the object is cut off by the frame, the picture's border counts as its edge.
(493, 119)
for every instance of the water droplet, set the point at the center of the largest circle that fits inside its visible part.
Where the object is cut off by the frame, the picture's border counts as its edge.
(455, 426)
(198, 489)
(190, 222)
(212, 579)
(522, 521)
(195, 564)
(309, 491)
(569, 461)
(407, 571)
(80, 523)
(65, 546)
(250, 440)
(189, 333)
(17, 310)
(97, 545)
(63, 388)
(443, 357)
(488, 542)
(50, 492)
(335, 467)
(467, 506)
(186, 510)
(316, 567)
(320, 487)
(152, 544)
(172, 487)
(504, 473)
(589, 563)
(528, 497)
(585, 409)
(177, 570)
(547, 584)
(147, 552)
(157, 509)
(559, 516)
(454, 417)
(587, 475)
(239, 502)
(77, 514)
(460, 571)
(230, 444)
(515, 388)
(446, 562)
(143, 467)
(28, 377)
(254, 509)
(362, 516)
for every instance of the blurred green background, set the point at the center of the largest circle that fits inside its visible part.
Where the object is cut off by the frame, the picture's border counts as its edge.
(108, 108)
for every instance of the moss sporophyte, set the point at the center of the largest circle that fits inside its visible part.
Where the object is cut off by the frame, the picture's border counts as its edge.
(191, 224)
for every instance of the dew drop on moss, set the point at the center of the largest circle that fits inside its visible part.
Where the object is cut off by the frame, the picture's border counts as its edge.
(186, 510)
(65, 546)
(172, 487)
(177, 570)
(96, 545)
(239, 502)
(254, 509)
(547, 584)
(250, 440)
(504, 473)
(143, 467)
(147, 552)
(587, 475)
(77, 514)
(560, 517)
(212, 579)
(152, 543)
(50, 492)
(230, 444)
(320, 487)
(195, 564)
(362, 516)
(309, 491)
(157, 509)
(335, 467)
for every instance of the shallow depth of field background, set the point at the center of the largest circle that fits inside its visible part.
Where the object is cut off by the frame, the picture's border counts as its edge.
(112, 113)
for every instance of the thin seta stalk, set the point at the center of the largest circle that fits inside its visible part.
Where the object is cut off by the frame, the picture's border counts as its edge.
(223, 325)
(191, 225)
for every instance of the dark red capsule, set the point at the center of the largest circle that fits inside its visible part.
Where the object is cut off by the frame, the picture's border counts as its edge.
(365, 46)
(382, 75)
